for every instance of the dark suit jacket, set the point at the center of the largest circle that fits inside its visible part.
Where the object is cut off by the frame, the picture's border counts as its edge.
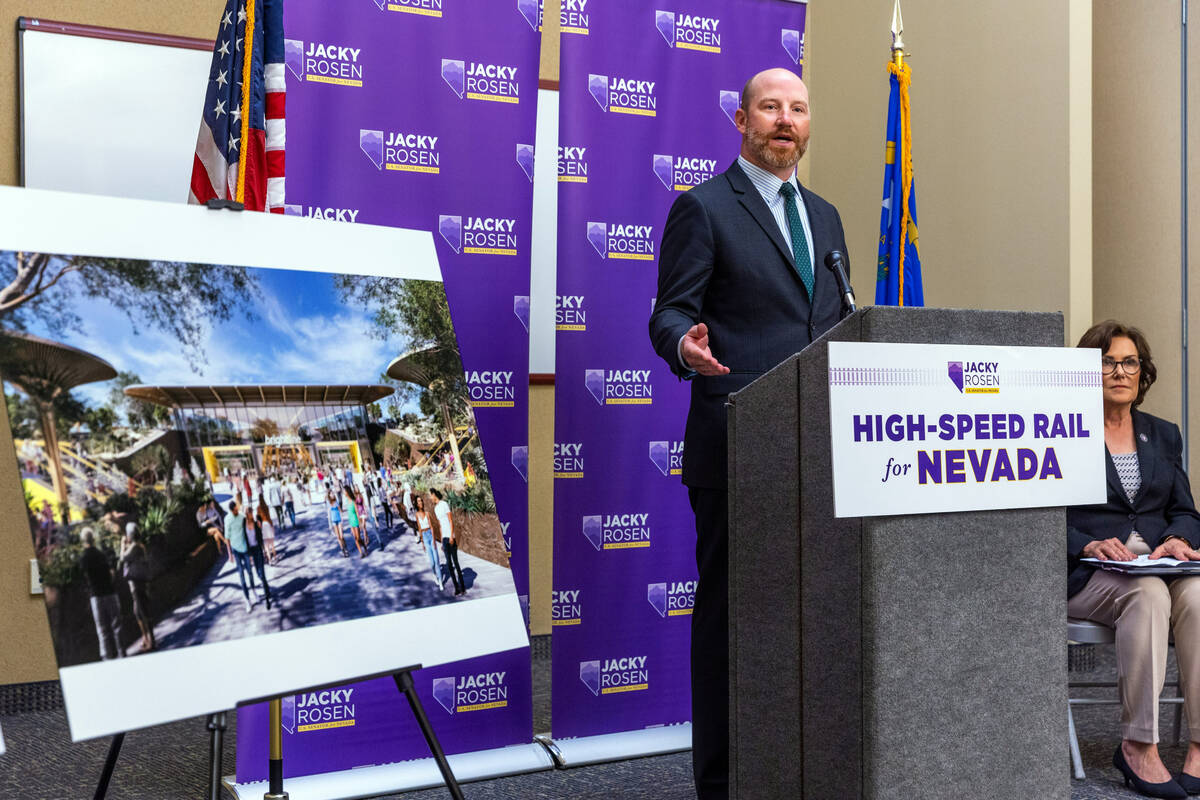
(724, 262)
(1162, 507)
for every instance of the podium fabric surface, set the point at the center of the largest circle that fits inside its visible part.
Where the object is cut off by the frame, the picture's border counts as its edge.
(887, 657)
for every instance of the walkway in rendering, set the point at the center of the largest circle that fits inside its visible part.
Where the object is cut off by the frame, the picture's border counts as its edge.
(312, 584)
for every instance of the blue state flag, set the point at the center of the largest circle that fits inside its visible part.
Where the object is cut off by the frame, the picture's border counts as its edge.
(898, 280)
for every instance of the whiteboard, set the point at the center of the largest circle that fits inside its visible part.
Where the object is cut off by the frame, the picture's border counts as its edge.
(120, 118)
(109, 117)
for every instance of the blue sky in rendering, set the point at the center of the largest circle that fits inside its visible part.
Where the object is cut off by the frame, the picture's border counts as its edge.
(301, 333)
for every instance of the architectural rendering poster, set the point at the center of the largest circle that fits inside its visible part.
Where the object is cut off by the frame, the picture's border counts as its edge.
(233, 465)
(647, 97)
(422, 114)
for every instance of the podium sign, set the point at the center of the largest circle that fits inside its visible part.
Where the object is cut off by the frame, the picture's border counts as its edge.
(924, 428)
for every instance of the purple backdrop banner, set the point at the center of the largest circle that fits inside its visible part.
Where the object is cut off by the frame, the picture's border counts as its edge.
(421, 114)
(647, 97)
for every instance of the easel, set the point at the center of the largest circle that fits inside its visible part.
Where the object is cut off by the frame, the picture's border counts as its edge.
(216, 728)
(216, 725)
(404, 683)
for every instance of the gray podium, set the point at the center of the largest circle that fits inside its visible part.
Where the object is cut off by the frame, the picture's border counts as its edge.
(908, 657)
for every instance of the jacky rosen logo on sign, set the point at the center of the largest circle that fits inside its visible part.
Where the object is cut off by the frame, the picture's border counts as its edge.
(322, 62)
(793, 44)
(477, 80)
(975, 377)
(491, 388)
(424, 8)
(673, 598)
(504, 534)
(619, 387)
(565, 607)
(401, 151)
(520, 460)
(525, 158)
(682, 173)
(938, 435)
(482, 236)
(317, 212)
(573, 17)
(572, 164)
(689, 31)
(617, 531)
(532, 11)
(521, 309)
(668, 457)
(316, 711)
(568, 459)
(478, 692)
(615, 675)
(621, 95)
(624, 241)
(569, 313)
(730, 101)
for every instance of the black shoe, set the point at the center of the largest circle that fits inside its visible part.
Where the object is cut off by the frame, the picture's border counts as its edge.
(1188, 783)
(1164, 789)
(268, 602)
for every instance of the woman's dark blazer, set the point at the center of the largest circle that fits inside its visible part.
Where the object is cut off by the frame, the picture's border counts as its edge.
(1162, 507)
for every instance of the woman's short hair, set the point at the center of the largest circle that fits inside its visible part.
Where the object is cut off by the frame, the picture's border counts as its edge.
(1101, 335)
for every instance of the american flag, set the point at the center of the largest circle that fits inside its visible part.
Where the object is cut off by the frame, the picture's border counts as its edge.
(239, 155)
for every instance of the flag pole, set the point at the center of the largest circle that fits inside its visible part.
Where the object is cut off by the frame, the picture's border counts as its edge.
(903, 151)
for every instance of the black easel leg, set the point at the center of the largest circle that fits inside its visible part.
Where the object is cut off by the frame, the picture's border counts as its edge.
(404, 682)
(110, 763)
(216, 743)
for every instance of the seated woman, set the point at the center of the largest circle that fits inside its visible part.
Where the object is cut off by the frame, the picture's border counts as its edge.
(1149, 511)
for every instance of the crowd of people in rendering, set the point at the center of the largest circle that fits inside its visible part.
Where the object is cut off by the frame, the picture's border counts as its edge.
(364, 508)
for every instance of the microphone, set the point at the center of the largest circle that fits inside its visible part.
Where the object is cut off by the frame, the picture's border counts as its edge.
(835, 263)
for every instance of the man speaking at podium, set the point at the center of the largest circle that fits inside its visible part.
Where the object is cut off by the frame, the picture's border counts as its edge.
(739, 290)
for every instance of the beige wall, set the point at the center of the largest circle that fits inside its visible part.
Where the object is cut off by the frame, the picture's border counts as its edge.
(990, 102)
(541, 505)
(541, 423)
(1136, 199)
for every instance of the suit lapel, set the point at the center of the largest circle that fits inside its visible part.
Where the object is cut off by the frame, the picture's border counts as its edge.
(1114, 480)
(1147, 452)
(752, 201)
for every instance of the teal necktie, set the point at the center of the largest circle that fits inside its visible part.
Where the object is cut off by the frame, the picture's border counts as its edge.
(799, 243)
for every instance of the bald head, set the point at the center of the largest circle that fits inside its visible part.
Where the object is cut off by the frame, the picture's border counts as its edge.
(773, 120)
(769, 77)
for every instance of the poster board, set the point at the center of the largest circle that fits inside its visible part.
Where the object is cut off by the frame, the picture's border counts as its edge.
(241, 254)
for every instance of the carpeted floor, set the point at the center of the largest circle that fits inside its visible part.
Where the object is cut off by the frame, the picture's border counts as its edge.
(171, 761)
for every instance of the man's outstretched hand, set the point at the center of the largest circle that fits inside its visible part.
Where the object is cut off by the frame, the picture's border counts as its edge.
(696, 353)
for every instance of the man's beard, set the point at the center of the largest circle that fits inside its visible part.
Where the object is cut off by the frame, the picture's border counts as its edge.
(760, 145)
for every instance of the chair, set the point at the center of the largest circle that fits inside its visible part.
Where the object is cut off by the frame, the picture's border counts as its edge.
(1082, 631)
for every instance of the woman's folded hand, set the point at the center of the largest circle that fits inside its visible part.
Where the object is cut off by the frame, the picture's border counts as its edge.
(1109, 550)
